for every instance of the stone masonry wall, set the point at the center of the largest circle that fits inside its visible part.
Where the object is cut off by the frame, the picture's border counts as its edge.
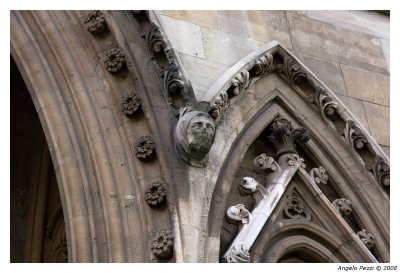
(347, 50)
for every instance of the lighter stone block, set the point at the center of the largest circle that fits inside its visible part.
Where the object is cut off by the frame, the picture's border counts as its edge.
(337, 44)
(366, 85)
(379, 121)
(226, 48)
(192, 44)
(258, 25)
(204, 18)
(202, 73)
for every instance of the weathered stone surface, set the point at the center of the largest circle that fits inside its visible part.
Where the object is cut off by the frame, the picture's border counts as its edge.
(258, 25)
(226, 48)
(386, 51)
(204, 18)
(366, 85)
(386, 149)
(357, 108)
(369, 22)
(202, 73)
(329, 72)
(336, 43)
(191, 44)
(379, 122)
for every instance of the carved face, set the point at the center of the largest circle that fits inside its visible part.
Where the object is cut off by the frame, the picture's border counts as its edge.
(200, 134)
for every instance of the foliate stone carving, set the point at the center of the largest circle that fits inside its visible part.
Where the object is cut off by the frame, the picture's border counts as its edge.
(324, 102)
(162, 244)
(155, 41)
(264, 65)
(354, 136)
(367, 238)
(343, 206)
(194, 136)
(318, 175)
(296, 160)
(264, 163)
(173, 80)
(293, 72)
(381, 171)
(115, 60)
(295, 209)
(145, 148)
(95, 22)
(238, 254)
(131, 103)
(219, 104)
(238, 215)
(283, 136)
(155, 194)
(240, 82)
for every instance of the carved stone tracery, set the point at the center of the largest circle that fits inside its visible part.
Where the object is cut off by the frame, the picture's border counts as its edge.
(295, 209)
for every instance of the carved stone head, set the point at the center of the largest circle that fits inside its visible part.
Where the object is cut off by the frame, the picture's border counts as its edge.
(194, 136)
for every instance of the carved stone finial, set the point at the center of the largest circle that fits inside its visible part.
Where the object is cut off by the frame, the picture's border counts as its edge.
(115, 60)
(343, 206)
(283, 136)
(238, 215)
(156, 193)
(145, 148)
(295, 209)
(95, 22)
(367, 238)
(162, 244)
(194, 136)
(263, 163)
(238, 254)
(318, 175)
(173, 80)
(131, 103)
(382, 171)
(155, 41)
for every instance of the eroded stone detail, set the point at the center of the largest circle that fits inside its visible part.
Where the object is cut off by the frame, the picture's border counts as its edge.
(354, 136)
(318, 175)
(194, 136)
(264, 65)
(293, 72)
(263, 163)
(324, 102)
(115, 60)
(155, 41)
(162, 244)
(343, 206)
(145, 148)
(295, 160)
(283, 136)
(295, 209)
(381, 171)
(238, 215)
(219, 104)
(131, 103)
(156, 193)
(173, 80)
(367, 238)
(238, 254)
(240, 82)
(95, 22)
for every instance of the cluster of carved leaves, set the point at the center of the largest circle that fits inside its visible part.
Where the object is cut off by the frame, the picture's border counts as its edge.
(145, 148)
(115, 60)
(162, 244)
(131, 103)
(95, 22)
(156, 193)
